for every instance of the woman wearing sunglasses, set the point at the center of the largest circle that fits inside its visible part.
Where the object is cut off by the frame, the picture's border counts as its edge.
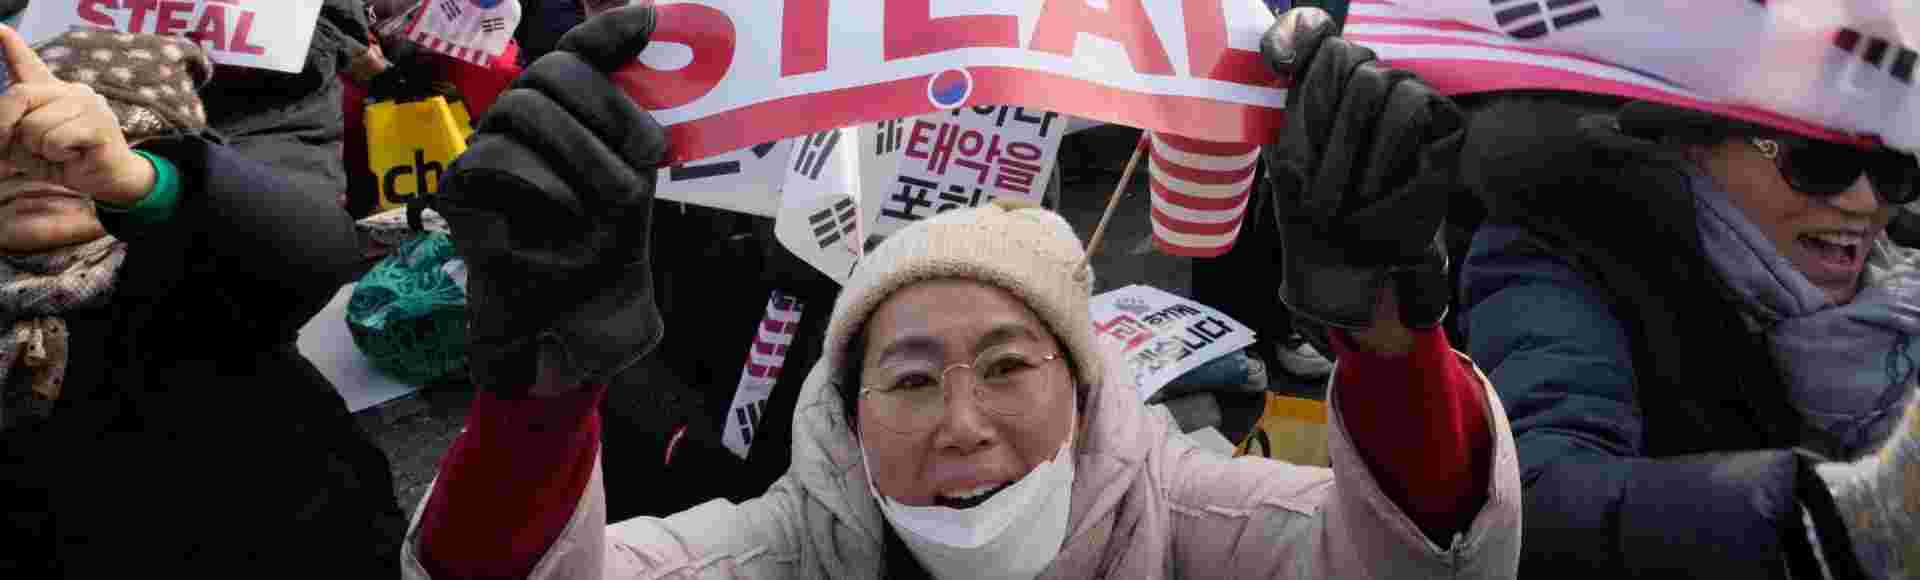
(1703, 336)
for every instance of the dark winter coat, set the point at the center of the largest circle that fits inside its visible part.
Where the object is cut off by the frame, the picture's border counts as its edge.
(293, 122)
(192, 439)
(712, 289)
(1653, 428)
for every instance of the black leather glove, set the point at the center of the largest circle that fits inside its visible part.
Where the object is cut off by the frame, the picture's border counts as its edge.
(1361, 175)
(551, 207)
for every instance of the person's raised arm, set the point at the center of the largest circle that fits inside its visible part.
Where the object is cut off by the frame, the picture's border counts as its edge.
(1361, 173)
(551, 208)
(168, 191)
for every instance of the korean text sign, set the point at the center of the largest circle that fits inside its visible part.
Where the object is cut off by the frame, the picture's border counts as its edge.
(269, 34)
(1161, 335)
(964, 158)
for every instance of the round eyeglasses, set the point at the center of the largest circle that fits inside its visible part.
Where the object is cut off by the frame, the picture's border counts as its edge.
(910, 399)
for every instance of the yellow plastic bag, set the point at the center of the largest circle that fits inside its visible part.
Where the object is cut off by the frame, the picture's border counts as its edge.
(462, 117)
(1291, 429)
(409, 146)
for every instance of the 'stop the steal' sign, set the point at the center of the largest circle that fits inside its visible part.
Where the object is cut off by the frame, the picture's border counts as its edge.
(727, 74)
(269, 34)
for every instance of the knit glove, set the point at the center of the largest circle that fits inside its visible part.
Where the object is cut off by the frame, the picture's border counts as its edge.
(1360, 173)
(1878, 499)
(551, 206)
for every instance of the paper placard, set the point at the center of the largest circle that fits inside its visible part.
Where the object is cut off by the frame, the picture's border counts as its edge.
(746, 180)
(964, 158)
(269, 34)
(724, 74)
(1162, 336)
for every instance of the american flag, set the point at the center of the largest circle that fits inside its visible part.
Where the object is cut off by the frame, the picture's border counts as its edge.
(1200, 191)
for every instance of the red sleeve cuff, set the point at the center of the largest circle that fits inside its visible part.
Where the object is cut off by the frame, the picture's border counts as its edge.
(508, 485)
(529, 420)
(1420, 422)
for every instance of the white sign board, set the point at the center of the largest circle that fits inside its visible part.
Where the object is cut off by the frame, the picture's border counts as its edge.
(269, 34)
(745, 180)
(1162, 336)
(964, 158)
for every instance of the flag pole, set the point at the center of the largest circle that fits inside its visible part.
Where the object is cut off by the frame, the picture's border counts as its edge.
(1113, 201)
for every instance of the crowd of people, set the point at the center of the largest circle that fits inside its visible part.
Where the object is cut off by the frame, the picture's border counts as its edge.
(1559, 333)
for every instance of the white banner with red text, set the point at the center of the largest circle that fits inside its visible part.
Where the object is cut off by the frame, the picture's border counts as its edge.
(269, 34)
(727, 74)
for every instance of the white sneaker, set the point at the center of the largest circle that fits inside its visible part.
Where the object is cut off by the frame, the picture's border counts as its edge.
(1301, 360)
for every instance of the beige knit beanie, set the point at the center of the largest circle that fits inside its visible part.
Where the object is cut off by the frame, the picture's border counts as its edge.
(1028, 251)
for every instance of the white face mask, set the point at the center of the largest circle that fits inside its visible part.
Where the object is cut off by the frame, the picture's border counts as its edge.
(981, 541)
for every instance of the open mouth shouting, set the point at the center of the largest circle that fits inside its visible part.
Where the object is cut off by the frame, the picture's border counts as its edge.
(1835, 256)
(970, 497)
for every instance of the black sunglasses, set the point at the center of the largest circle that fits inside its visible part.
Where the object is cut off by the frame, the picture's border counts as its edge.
(1822, 169)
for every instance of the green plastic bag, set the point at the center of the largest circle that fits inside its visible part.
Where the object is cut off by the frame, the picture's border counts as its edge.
(408, 314)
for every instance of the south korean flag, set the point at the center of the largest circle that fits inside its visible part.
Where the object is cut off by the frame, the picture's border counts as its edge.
(819, 218)
(469, 30)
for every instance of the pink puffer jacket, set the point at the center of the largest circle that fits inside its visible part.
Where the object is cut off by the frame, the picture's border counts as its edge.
(1147, 503)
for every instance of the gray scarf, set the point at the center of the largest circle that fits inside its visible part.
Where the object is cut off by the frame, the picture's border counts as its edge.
(35, 292)
(1849, 368)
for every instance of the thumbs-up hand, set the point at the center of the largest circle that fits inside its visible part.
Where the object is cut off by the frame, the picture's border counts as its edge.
(64, 133)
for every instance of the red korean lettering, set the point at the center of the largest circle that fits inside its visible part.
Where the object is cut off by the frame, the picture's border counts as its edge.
(803, 37)
(709, 32)
(1124, 22)
(973, 145)
(212, 29)
(1209, 56)
(920, 135)
(911, 30)
(240, 34)
(1014, 175)
(167, 20)
(89, 11)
